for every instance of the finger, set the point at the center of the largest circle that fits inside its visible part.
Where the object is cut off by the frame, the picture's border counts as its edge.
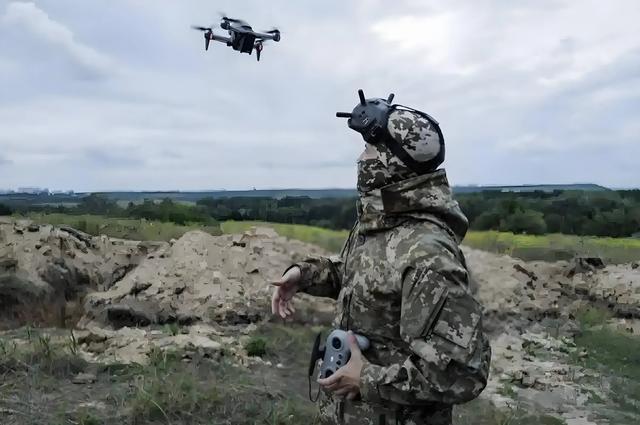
(274, 302)
(352, 395)
(281, 309)
(353, 345)
(336, 377)
(278, 282)
(290, 307)
(287, 308)
(342, 391)
(332, 387)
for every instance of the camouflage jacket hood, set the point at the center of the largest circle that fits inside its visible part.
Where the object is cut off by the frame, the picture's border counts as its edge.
(427, 197)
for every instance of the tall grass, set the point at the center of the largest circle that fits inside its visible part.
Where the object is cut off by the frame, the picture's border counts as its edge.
(141, 230)
(554, 247)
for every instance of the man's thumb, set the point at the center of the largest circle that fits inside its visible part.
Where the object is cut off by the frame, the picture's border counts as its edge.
(353, 344)
(279, 282)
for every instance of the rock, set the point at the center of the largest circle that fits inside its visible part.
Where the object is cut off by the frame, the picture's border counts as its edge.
(521, 269)
(84, 378)
(570, 328)
(126, 315)
(635, 265)
(585, 265)
(528, 381)
(139, 287)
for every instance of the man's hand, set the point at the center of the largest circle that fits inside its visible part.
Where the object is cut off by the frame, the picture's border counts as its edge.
(285, 289)
(346, 380)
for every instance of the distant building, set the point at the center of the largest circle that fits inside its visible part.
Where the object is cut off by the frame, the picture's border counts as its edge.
(33, 190)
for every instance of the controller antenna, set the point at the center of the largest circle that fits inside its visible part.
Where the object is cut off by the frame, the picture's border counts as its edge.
(343, 114)
(390, 98)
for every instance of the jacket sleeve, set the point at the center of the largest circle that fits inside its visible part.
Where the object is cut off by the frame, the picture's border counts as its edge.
(447, 354)
(320, 276)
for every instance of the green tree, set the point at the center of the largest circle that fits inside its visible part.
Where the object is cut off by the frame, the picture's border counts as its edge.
(524, 221)
(5, 210)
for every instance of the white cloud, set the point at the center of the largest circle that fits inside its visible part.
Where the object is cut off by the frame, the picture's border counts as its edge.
(26, 18)
(130, 100)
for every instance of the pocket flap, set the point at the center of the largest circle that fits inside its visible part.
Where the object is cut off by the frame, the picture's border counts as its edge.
(459, 319)
(418, 318)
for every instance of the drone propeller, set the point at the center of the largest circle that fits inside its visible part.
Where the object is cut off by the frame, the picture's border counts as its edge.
(208, 35)
(224, 17)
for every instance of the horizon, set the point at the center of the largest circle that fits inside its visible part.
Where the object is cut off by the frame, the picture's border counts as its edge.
(265, 189)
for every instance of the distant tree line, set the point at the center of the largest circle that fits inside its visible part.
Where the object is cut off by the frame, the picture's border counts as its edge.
(606, 213)
(598, 213)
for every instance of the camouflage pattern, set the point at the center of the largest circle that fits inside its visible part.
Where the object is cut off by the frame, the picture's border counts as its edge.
(402, 281)
(379, 167)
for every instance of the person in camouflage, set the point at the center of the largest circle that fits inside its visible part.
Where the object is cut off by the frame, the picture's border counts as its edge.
(402, 282)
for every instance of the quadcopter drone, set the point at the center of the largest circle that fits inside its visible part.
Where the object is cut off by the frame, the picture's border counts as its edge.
(242, 37)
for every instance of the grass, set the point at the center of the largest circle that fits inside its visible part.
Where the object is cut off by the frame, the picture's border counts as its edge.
(550, 247)
(39, 355)
(256, 346)
(331, 240)
(615, 357)
(554, 247)
(483, 412)
(142, 230)
(36, 387)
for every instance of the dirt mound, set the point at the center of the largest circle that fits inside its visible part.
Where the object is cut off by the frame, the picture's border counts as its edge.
(512, 289)
(199, 278)
(532, 311)
(45, 270)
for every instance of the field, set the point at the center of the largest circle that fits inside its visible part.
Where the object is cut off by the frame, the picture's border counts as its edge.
(143, 230)
(527, 247)
(555, 246)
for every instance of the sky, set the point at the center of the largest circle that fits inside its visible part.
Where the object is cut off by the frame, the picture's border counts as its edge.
(120, 94)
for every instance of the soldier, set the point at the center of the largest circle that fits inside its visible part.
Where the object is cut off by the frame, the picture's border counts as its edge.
(402, 282)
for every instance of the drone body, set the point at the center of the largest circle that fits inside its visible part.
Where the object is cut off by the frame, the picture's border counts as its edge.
(242, 37)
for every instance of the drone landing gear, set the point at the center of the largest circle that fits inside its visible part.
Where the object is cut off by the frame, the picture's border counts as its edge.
(258, 46)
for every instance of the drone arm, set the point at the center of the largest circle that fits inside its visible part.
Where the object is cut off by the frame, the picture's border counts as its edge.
(267, 36)
(220, 38)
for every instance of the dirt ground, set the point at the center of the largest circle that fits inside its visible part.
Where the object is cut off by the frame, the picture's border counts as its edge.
(102, 331)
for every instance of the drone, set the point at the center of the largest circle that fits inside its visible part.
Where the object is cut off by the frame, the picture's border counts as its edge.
(242, 37)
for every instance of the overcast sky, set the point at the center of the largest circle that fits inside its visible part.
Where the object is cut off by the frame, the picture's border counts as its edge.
(120, 95)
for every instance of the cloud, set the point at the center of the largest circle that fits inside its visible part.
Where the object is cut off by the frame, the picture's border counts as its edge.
(25, 18)
(4, 161)
(131, 100)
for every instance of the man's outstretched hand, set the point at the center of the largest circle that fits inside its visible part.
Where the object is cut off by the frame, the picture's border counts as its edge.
(346, 381)
(284, 290)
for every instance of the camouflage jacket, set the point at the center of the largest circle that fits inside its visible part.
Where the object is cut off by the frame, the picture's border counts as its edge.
(402, 281)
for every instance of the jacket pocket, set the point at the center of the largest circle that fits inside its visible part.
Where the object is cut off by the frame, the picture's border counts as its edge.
(458, 320)
(422, 312)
